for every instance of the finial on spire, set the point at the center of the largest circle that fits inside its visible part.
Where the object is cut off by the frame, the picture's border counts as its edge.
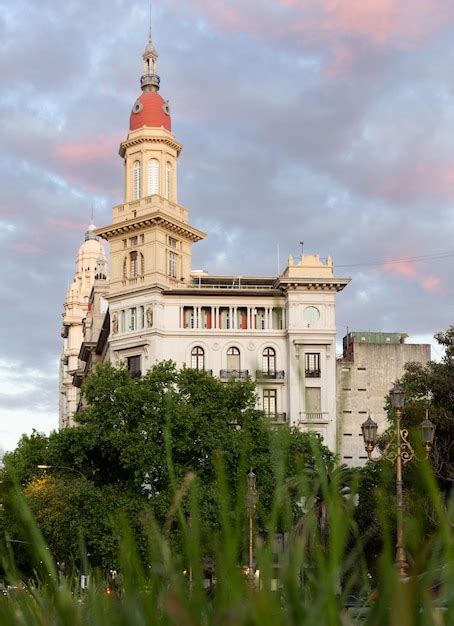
(150, 79)
(149, 30)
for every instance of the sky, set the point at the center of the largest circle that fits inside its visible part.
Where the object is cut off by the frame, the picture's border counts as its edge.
(324, 121)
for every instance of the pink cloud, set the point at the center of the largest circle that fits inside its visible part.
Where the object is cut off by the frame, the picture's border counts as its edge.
(401, 268)
(337, 25)
(408, 270)
(431, 283)
(99, 149)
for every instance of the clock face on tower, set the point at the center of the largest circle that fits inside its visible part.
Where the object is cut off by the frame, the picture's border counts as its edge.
(166, 108)
(137, 106)
(311, 314)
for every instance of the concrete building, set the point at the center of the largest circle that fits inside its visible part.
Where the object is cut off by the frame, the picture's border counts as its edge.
(280, 330)
(370, 365)
(90, 263)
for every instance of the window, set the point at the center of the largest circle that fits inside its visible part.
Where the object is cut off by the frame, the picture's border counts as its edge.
(172, 269)
(173, 242)
(224, 317)
(132, 315)
(122, 321)
(313, 400)
(233, 359)
(198, 358)
(242, 315)
(133, 265)
(153, 176)
(168, 180)
(312, 364)
(136, 265)
(136, 181)
(269, 360)
(269, 401)
(141, 317)
(205, 317)
(125, 243)
(134, 241)
(125, 268)
(188, 317)
(134, 366)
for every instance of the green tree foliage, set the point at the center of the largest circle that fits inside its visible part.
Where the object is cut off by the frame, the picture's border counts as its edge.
(431, 387)
(136, 442)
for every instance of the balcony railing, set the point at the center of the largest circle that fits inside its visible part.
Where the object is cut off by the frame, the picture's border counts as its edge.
(270, 374)
(277, 418)
(312, 373)
(136, 373)
(234, 374)
(314, 417)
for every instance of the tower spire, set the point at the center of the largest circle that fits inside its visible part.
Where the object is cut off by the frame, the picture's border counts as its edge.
(150, 79)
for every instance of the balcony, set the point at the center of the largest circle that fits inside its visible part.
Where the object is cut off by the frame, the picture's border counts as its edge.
(317, 418)
(135, 373)
(270, 375)
(276, 418)
(233, 374)
(315, 373)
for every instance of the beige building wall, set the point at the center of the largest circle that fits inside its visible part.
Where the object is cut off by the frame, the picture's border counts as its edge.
(363, 382)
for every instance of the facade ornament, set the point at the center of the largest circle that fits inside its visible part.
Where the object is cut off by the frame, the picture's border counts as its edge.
(149, 317)
(115, 324)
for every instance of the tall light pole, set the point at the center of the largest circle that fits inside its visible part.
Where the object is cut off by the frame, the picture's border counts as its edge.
(397, 450)
(251, 500)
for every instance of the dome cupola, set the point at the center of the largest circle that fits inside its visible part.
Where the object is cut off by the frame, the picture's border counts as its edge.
(150, 109)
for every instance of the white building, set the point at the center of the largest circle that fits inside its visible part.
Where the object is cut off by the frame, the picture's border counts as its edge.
(280, 330)
(90, 266)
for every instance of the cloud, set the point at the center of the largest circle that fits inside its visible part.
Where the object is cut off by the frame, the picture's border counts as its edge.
(318, 120)
(96, 149)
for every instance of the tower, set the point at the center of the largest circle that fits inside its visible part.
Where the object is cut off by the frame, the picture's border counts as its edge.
(150, 236)
(90, 266)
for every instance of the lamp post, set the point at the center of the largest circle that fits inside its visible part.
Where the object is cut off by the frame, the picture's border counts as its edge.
(252, 499)
(398, 450)
(66, 467)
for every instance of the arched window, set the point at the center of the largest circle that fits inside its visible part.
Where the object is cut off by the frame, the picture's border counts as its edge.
(136, 265)
(269, 360)
(136, 180)
(198, 358)
(153, 176)
(168, 189)
(233, 359)
(133, 264)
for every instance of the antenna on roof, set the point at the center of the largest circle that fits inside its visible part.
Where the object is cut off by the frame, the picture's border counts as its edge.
(302, 247)
(149, 29)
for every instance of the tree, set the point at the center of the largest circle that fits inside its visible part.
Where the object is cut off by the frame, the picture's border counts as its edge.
(137, 440)
(431, 387)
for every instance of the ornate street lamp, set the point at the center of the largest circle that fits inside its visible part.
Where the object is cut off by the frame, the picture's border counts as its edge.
(397, 450)
(251, 500)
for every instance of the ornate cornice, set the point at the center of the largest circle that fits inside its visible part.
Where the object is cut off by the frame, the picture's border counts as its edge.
(311, 284)
(157, 218)
(135, 141)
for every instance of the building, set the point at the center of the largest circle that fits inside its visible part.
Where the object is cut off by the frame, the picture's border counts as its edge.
(280, 330)
(370, 365)
(90, 266)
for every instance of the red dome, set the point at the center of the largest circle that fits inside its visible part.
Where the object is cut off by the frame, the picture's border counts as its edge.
(150, 110)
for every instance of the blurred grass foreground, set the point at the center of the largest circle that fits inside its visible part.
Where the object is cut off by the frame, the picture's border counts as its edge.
(149, 513)
(318, 575)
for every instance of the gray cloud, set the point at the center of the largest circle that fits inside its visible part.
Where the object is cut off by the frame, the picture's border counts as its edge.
(297, 124)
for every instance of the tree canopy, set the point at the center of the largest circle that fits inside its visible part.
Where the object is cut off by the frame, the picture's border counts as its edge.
(136, 441)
